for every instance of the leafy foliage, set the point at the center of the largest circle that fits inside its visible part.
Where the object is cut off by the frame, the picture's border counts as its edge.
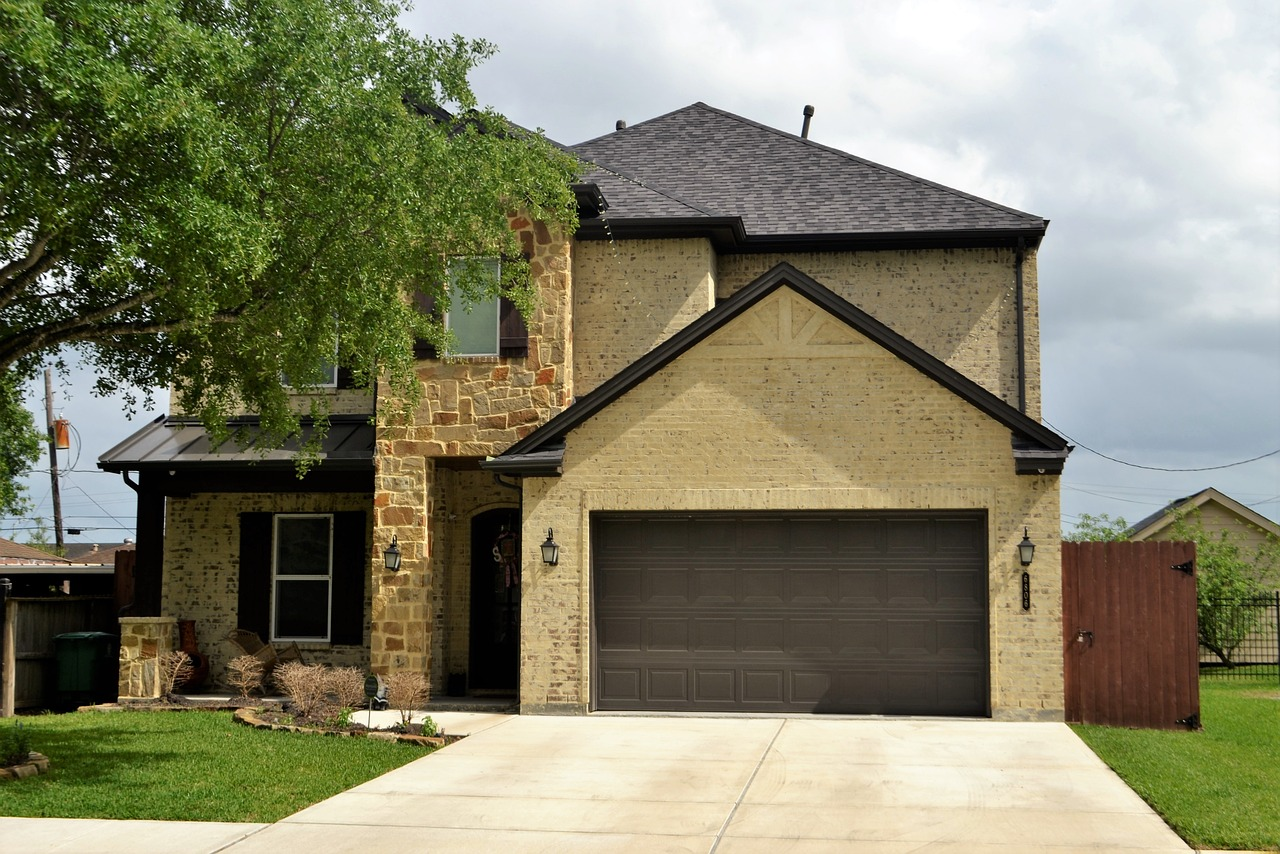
(19, 447)
(1227, 572)
(1098, 529)
(15, 744)
(210, 195)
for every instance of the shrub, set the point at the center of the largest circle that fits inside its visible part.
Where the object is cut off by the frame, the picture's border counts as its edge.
(306, 686)
(173, 669)
(406, 693)
(245, 673)
(15, 745)
(346, 686)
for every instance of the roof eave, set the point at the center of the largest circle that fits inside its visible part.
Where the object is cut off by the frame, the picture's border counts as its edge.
(729, 236)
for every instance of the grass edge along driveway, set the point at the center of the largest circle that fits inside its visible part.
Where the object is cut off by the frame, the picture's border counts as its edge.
(186, 766)
(1217, 788)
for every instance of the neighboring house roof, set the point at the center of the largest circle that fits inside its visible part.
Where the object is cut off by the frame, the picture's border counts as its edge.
(97, 552)
(765, 189)
(19, 553)
(1165, 516)
(1036, 448)
(171, 443)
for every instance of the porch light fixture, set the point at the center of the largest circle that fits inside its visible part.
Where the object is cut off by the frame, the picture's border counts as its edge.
(391, 557)
(550, 549)
(1026, 549)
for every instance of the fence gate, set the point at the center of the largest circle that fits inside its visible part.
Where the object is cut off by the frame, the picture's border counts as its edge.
(1130, 653)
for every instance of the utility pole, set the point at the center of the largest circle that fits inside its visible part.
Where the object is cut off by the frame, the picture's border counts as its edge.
(53, 459)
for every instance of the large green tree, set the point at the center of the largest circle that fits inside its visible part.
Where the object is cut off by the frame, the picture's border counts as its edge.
(210, 194)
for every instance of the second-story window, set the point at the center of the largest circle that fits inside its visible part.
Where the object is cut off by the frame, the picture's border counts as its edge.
(474, 321)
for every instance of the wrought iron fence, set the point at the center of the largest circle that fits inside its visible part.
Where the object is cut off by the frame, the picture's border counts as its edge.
(1240, 637)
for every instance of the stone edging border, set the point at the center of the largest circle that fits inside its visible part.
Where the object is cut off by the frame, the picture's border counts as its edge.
(248, 717)
(37, 763)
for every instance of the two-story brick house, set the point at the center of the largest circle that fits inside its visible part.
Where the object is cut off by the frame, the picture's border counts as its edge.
(777, 409)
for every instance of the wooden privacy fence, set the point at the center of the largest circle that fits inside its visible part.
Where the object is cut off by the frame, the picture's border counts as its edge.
(1130, 652)
(26, 643)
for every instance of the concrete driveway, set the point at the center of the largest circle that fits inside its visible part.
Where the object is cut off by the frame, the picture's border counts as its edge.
(693, 784)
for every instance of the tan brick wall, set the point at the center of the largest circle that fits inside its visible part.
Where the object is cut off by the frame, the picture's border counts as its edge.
(754, 419)
(958, 304)
(631, 295)
(202, 567)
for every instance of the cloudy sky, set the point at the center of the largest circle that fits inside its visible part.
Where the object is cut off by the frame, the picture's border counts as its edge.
(1148, 133)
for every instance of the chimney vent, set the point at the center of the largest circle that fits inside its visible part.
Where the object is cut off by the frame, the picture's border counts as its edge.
(620, 124)
(808, 114)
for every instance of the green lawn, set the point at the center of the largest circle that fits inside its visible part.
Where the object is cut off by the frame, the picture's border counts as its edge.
(1219, 788)
(189, 765)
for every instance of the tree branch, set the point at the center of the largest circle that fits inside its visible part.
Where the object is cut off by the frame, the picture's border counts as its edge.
(15, 275)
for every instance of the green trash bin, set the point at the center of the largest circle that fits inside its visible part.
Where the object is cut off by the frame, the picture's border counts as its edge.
(88, 666)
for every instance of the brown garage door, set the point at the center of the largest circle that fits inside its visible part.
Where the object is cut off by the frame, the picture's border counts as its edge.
(855, 613)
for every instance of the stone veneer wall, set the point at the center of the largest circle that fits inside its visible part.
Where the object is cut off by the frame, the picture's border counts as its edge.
(832, 422)
(958, 304)
(142, 641)
(631, 295)
(470, 407)
(202, 567)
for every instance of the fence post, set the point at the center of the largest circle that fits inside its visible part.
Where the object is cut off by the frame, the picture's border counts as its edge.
(10, 665)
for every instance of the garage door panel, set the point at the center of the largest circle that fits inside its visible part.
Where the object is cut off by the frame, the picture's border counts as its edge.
(861, 586)
(620, 685)
(716, 686)
(812, 587)
(860, 613)
(715, 587)
(861, 637)
(811, 636)
(763, 635)
(621, 633)
(715, 634)
(762, 586)
(766, 537)
(668, 634)
(763, 686)
(667, 587)
(908, 588)
(620, 586)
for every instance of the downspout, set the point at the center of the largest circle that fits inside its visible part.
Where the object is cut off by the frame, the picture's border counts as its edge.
(1020, 309)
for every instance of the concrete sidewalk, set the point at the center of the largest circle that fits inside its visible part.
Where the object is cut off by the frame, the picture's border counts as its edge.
(694, 784)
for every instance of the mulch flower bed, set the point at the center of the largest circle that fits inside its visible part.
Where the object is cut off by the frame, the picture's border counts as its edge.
(278, 719)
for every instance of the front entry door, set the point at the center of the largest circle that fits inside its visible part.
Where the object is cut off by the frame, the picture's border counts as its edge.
(495, 600)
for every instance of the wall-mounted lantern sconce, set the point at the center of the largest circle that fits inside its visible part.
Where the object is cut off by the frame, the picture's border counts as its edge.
(391, 557)
(1026, 549)
(550, 549)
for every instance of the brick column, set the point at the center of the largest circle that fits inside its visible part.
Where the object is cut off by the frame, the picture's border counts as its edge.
(142, 641)
(400, 639)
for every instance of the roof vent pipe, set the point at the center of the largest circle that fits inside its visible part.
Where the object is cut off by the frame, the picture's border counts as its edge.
(620, 124)
(808, 114)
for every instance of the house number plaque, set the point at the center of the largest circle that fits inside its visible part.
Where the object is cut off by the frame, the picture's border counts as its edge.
(1026, 591)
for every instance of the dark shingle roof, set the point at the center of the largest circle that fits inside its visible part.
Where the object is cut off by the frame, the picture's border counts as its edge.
(703, 162)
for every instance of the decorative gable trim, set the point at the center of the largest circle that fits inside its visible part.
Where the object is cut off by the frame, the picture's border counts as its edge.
(1036, 448)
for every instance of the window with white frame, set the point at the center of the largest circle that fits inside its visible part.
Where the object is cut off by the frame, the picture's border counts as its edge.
(302, 577)
(474, 322)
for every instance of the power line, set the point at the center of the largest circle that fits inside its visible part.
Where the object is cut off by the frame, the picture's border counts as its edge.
(1080, 444)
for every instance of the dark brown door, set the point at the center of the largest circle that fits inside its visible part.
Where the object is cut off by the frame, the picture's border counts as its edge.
(852, 612)
(495, 600)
